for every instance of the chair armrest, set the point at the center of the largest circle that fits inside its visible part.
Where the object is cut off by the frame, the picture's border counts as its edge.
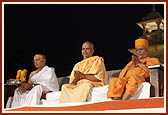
(154, 66)
(62, 81)
(112, 74)
(156, 79)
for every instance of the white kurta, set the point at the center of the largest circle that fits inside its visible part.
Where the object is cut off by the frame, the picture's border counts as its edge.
(48, 82)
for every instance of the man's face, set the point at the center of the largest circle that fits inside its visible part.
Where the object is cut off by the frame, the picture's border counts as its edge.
(142, 52)
(39, 62)
(87, 50)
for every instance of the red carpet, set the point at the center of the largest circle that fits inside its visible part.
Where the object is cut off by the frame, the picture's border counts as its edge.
(101, 106)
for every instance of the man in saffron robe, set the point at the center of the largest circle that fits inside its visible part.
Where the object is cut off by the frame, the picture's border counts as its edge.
(133, 74)
(86, 74)
(41, 80)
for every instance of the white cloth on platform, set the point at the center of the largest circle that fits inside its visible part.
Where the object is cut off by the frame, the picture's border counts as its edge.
(48, 82)
(99, 94)
(143, 91)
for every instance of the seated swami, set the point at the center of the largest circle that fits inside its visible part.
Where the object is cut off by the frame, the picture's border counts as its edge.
(86, 74)
(133, 74)
(43, 79)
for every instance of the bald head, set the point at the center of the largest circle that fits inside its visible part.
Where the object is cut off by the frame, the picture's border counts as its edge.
(90, 43)
(87, 49)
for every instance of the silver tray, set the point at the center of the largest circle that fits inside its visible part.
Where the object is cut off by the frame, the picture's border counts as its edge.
(13, 82)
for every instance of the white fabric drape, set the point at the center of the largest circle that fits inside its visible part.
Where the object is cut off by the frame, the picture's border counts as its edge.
(48, 82)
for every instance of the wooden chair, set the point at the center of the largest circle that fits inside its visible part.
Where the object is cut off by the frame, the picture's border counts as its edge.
(157, 80)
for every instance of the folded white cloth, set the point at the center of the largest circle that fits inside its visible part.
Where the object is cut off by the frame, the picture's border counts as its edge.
(98, 93)
(52, 98)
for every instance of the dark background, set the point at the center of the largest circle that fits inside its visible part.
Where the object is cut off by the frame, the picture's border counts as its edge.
(58, 31)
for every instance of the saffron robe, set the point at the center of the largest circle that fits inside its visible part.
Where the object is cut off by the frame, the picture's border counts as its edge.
(79, 92)
(129, 80)
(47, 80)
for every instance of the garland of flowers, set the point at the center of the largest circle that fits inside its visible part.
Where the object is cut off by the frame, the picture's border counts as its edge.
(21, 75)
(18, 75)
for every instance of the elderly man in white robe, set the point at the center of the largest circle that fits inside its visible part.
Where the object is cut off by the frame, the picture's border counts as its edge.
(41, 80)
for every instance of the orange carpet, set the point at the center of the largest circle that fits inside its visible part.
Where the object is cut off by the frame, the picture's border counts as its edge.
(101, 106)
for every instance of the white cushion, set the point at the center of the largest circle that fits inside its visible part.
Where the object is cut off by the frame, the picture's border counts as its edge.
(100, 94)
(143, 91)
